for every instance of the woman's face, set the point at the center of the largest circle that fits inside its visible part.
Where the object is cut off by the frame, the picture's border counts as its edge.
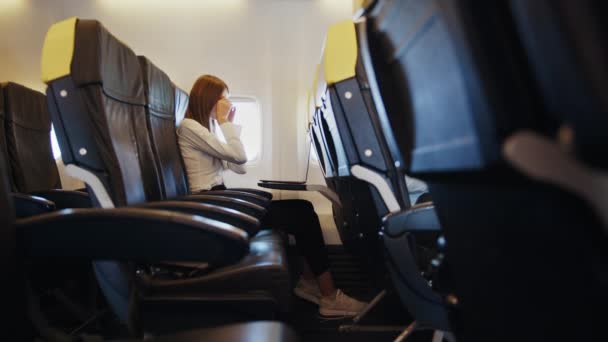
(213, 115)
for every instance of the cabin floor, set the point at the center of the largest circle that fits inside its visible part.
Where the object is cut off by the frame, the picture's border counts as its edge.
(349, 276)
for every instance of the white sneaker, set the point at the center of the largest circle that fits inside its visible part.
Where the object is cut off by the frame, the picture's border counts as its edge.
(308, 290)
(340, 305)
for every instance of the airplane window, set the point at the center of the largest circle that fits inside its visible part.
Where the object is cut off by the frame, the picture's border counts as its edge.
(248, 116)
(55, 144)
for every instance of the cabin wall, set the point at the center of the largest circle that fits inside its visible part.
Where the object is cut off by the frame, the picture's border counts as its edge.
(262, 48)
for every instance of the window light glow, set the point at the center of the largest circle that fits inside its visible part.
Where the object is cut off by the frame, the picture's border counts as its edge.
(249, 117)
(55, 144)
(12, 5)
(152, 5)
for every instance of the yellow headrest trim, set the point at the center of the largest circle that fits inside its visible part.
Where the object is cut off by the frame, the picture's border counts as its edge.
(340, 56)
(58, 50)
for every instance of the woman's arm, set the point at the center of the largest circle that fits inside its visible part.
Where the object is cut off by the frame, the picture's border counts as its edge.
(236, 168)
(198, 136)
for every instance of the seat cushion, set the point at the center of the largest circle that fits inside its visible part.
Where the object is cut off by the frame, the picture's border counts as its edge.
(263, 270)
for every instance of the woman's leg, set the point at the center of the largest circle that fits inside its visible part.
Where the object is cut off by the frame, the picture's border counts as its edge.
(297, 217)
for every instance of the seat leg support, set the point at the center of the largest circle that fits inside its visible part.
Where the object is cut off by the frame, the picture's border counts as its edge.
(369, 306)
(407, 332)
(355, 323)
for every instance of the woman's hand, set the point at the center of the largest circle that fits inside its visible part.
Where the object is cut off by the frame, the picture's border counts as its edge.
(223, 109)
(232, 114)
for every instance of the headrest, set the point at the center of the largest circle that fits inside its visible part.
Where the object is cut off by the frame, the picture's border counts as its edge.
(159, 91)
(86, 51)
(181, 105)
(340, 52)
(25, 107)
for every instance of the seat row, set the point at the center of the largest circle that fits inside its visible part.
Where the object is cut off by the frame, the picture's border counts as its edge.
(114, 114)
(385, 224)
(498, 107)
(17, 304)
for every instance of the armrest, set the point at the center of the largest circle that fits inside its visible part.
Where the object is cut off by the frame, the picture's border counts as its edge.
(245, 207)
(419, 218)
(65, 199)
(303, 186)
(132, 234)
(267, 195)
(280, 185)
(233, 217)
(28, 205)
(245, 196)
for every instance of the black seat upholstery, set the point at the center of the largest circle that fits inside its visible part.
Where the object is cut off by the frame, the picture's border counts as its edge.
(356, 221)
(26, 134)
(99, 111)
(13, 295)
(522, 257)
(167, 161)
(28, 128)
(14, 302)
(572, 82)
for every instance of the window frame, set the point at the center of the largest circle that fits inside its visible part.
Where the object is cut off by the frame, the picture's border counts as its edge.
(252, 99)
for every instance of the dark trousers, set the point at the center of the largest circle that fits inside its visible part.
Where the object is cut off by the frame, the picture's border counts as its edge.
(298, 218)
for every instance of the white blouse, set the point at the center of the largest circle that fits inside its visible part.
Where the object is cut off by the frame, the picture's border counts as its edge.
(206, 157)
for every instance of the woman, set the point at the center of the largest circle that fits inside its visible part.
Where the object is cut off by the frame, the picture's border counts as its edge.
(205, 157)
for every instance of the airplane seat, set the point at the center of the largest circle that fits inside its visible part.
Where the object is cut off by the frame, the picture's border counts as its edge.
(28, 129)
(573, 33)
(455, 75)
(98, 104)
(14, 303)
(13, 295)
(170, 102)
(172, 179)
(34, 174)
(355, 219)
(350, 112)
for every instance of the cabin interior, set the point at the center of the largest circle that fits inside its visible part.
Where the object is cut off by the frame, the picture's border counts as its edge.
(453, 150)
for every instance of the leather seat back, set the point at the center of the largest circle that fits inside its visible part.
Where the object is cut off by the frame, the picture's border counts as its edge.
(565, 42)
(28, 139)
(378, 174)
(3, 147)
(13, 294)
(160, 119)
(448, 111)
(99, 105)
(455, 74)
